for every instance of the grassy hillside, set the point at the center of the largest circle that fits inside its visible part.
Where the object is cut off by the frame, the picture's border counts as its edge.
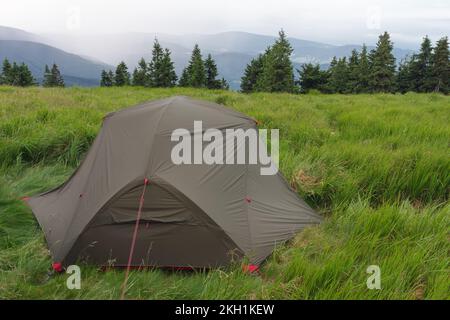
(376, 166)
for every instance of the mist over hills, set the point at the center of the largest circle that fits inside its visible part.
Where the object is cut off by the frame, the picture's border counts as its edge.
(89, 54)
(8, 33)
(74, 69)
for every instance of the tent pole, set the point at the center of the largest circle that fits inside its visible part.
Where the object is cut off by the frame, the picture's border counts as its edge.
(133, 241)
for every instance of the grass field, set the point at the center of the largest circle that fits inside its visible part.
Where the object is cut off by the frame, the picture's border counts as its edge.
(376, 166)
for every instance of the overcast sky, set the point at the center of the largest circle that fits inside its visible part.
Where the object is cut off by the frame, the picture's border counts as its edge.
(337, 22)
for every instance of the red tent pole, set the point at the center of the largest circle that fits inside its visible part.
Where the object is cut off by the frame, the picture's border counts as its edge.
(133, 241)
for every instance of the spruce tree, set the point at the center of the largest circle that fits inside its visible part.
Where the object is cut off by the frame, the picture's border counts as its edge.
(122, 76)
(404, 83)
(104, 79)
(353, 72)
(27, 78)
(135, 78)
(333, 62)
(22, 75)
(14, 74)
(194, 74)
(413, 72)
(338, 76)
(311, 77)
(197, 69)
(168, 75)
(328, 88)
(421, 67)
(211, 74)
(362, 85)
(155, 65)
(48, 80)
(111, 78)
(140, 74)
(382, 66)
(6, 76)
(440, 68)
(184, 79)
(277, 72)
(107, 79)
(251, 74)
(57, 79)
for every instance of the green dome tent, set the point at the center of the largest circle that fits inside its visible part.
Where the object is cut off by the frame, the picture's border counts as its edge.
(128, 193)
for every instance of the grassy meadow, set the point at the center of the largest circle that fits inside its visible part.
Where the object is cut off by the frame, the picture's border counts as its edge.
(377, 167)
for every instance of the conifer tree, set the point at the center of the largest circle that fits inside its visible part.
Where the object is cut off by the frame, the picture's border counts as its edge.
(421, 67)
(6, 76)
(440, 68)
(22, 75)
(411, 66)
(140, 74)
(47, 82)
(211, 74)
(155, 65)
(194, 74)
(111, 77)
(333, 63)
(197, 69)
(404, 81)
(104, 79)
(184, 79)
(57, 79)
(277, 72)
(362, 85)
(311, 77)
(122, 76)
(353, 72)
(168, 75)
(135, 77)
(251, 74)
(382, 66)
(14, 74)
(338, 76)
(107, 79)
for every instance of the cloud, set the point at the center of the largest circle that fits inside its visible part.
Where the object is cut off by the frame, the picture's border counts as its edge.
(326, 20)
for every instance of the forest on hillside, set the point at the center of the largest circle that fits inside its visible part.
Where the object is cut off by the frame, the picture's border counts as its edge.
(272, 71)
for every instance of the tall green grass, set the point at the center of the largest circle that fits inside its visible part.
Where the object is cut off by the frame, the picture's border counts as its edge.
(377, 166)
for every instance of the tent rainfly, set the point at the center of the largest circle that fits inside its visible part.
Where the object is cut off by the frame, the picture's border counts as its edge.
(128, 192)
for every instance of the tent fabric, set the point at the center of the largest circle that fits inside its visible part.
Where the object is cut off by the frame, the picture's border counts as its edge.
(197, 215)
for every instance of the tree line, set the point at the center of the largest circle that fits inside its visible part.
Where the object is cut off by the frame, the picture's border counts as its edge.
(272, 71)
(20, 75)
(160, 72)
(361, 72)
(16, 74)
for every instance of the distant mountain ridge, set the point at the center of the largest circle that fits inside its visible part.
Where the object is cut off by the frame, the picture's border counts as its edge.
(231, 50)
(8, 33)
(20, 46)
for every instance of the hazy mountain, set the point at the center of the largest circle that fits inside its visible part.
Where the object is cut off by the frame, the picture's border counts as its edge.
(75, 69)
(7, 33)
(231, 50)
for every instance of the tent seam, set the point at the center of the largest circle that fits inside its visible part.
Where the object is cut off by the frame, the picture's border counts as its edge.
(247, 206)
(163, 112)
(84, 190)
